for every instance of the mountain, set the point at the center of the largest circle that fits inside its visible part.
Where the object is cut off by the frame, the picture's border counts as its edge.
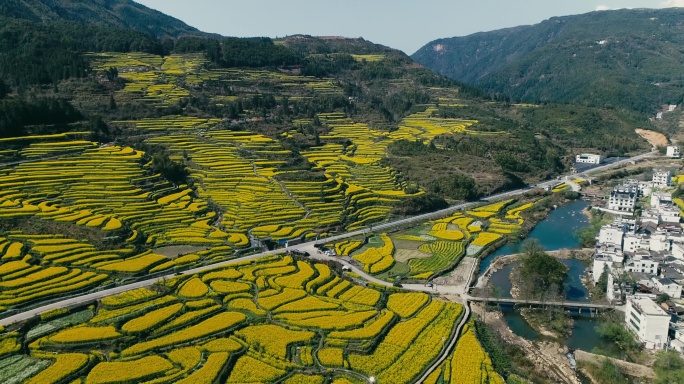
(372, 102)
(124, 14)
(623, 58)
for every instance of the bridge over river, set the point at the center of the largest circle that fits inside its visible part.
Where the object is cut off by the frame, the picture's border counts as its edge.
(566, 303)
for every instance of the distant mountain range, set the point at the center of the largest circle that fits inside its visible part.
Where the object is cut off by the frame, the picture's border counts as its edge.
(111, 13)
(625, 58)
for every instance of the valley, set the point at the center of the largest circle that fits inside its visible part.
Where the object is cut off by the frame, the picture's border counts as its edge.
(179, 206)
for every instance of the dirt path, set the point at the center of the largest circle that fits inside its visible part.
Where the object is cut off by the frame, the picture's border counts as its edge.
(459, 276)
(655, 138)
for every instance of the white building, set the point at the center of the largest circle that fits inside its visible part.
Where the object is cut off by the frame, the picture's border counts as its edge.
(678, 250)
(673, 151)
(662, 179)
(668, 287)
(678, 342)
(607, 257)
(612, 234)
(588, 158)
(659, 242)
(650, 322)
(645, 188)
(623, 199)
(670, 214)
(660, 198)
(641, 262)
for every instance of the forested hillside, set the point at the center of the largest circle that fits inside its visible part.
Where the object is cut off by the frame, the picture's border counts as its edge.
(132, 152)
(112, 13)
(617, 59)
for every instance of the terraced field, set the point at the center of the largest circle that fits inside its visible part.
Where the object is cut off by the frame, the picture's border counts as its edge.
(79, 215)
(421, 252)
(270, 320)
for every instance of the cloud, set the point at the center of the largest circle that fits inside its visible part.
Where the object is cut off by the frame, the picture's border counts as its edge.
(603, 7)
(671, 3)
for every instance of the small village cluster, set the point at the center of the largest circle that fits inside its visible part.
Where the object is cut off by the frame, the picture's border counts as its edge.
(645, 246)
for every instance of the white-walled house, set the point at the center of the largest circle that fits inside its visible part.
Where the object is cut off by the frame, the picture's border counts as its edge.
(645, 188)
(678, 250)
(648, 321)
(650, 216)
(673, 151)
(662, 179)
(612, 233)
(659, 242)
(623, 198)
(670, 214)
(635, 241)
(588, 158)
(641, 262)
(607, 256)
(668, 287)
(660, 198)
(677, 343)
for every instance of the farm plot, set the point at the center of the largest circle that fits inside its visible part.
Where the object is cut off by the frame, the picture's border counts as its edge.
(440, 245)
(286, 332)
(35, 268)
(131, 201)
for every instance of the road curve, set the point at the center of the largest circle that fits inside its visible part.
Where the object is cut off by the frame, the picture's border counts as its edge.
(74, 301)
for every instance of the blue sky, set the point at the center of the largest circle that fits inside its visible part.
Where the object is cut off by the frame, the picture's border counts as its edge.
(401, 24)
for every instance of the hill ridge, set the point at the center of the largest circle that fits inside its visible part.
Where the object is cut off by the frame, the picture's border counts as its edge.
(601, 58)
(125, 14)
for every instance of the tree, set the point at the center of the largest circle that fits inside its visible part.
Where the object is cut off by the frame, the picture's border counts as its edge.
(669, 368)
(541, 273)
(602, 283)
(4, 89)
(173, 171)
(663, 297)
(112, 73)
(99, 129)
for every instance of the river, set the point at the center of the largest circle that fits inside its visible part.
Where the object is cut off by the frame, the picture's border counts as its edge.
(554, 233)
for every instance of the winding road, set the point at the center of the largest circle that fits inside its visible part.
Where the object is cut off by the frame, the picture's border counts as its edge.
(460, 290)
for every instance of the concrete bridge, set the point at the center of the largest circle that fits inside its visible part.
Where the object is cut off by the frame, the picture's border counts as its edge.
(566, 304)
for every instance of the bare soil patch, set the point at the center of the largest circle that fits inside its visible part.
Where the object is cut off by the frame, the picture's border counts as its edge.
(404, 255)
(407, 244)
(655, 138)
(459, 276)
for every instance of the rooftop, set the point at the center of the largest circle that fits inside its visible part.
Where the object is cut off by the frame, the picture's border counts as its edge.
(666, 281)
(647, 306)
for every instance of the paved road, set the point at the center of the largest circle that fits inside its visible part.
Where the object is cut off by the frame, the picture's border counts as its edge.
(306, 247)
(457, 329)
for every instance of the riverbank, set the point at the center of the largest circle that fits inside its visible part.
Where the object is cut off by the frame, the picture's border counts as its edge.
(501, 262)
(548, 357)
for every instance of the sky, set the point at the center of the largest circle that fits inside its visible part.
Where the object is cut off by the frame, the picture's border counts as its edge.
(402, 24)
